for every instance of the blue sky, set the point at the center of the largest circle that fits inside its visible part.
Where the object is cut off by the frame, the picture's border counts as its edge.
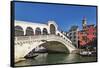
(64, 15)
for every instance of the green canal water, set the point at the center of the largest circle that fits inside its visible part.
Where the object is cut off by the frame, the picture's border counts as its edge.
(54, 58)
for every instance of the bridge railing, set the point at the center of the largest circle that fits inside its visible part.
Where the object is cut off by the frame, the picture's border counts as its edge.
(19, 38)
(42, 37)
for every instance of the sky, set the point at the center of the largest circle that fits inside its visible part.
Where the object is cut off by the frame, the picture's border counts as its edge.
(64, 15)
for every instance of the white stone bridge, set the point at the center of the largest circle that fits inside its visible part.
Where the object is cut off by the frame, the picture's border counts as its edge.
(29, 36)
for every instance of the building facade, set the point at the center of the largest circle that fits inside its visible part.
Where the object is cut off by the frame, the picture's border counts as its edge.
(87, 36)
(73, 35)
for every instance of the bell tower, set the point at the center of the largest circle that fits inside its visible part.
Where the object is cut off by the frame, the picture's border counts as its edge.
(84, 22)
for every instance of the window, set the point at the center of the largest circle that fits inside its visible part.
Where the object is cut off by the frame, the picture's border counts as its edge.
(29, 31)
(70, 37)
(19, 31)
(38, 31)
(74, 33)
(45, 32)
(70, 34)
(74, 37)
(52, 29)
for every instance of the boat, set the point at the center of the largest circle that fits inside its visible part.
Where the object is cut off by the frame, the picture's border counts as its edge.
(40, 50)
(87, 53)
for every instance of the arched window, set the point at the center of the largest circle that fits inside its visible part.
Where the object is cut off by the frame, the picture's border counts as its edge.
(52, 29)
(29, 31)
(45, 32)
(38, 31)
(19, 31)
(58, 34)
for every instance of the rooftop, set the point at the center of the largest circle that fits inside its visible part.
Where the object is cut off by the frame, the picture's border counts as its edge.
(73, 28)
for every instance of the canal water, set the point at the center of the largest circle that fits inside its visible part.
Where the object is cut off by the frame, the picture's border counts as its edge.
(54, 58)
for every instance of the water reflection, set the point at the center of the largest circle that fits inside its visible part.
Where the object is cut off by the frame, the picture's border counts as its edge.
(56, 58)
(53, 58)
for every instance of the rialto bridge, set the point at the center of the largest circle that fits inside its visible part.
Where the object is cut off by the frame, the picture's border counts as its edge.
(29, 35)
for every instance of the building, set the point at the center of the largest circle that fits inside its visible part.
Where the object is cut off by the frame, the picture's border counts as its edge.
(73, 35)
(87, 36)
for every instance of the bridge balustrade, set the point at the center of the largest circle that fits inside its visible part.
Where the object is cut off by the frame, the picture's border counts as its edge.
(26, 39)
